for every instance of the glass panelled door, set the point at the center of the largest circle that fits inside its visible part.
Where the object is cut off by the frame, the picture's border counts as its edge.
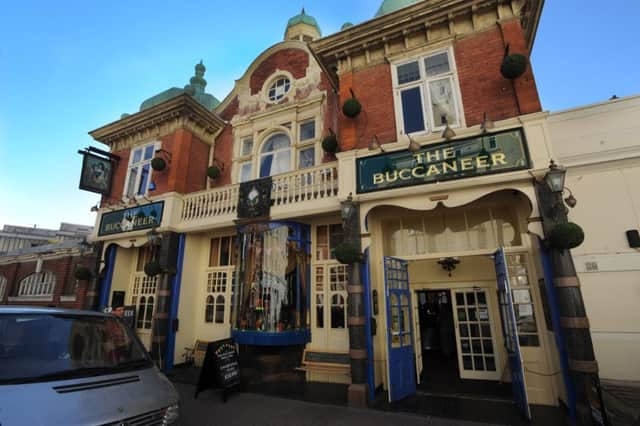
(511, 342)
(401, 364)
(477, 357)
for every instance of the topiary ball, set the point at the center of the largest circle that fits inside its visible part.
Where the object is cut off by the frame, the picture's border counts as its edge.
(213, 172)
(330, 143)
(351, 107)
(346, 253)
(82, 273)
(565, 236)
(158, 164)
(513, 66)
(152, 268)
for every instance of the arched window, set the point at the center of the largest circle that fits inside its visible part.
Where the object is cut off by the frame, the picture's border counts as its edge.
(220, 309)
(208, 312)
(37, 284)
(3, 287)
(275, 155)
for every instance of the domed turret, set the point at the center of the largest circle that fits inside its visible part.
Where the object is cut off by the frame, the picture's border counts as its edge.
(302, 27)
(195, 88)
(389, 6)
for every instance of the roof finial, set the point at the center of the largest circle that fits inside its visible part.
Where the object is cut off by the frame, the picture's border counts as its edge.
(302, 13)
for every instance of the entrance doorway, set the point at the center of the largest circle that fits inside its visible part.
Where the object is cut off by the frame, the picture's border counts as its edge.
(457, 345)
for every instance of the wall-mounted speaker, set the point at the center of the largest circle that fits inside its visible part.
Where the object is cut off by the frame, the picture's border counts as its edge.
(633, 236)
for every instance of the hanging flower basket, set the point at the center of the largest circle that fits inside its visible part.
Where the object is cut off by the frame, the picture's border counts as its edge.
(158, 164)
(152, 268)
(330, 143)
(82, 273)
(213, 172)
(346, 253)
(565, 236)
(513, 66)
(351, 107)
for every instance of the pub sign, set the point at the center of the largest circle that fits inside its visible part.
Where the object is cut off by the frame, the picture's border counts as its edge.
(482, 155)
(96, 174)
(131, 219)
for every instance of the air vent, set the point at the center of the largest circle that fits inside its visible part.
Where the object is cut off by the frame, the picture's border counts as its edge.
(96, 384)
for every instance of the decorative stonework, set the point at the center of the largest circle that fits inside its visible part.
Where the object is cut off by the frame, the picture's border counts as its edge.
(418, 26)
(181, 112)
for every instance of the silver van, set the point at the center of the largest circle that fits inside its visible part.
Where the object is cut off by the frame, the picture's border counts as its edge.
(68, 367)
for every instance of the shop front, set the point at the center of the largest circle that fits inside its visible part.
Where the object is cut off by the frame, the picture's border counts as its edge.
(455, 271)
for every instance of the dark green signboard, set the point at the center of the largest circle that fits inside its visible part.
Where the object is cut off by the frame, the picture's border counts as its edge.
(477, 156)
(131, 219)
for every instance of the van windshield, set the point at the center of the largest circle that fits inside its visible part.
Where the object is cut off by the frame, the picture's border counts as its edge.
(44, 347)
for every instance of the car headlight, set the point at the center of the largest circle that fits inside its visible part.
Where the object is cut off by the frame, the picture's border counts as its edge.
(171, 414)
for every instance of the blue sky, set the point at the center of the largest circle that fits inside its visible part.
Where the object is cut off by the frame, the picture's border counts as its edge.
(72, 66)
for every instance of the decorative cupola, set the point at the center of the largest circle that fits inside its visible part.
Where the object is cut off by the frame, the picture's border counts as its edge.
(389, 6)
(195, 88)
(302, 27)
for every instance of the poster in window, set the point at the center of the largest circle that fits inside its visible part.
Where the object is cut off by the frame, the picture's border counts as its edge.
(96, 174)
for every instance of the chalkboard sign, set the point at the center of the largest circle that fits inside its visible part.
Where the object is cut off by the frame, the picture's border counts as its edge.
(221, 367)
(129, 316)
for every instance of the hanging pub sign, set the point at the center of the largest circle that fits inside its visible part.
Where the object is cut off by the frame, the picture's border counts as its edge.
(255, 199)
(96, 174)
(131, 219)
(477, 156)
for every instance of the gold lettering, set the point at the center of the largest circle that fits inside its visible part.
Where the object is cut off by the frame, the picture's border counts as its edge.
(466, 164)
(498, 158)
(392, 178)
(408, 174)
(433, 170)
(448, 153)
(417, 174)
(418, 158)
(433, 156)
(453, 166)
(378, 178)
(481, 161)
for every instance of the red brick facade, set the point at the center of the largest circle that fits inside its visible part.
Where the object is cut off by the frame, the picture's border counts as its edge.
(65, 283)
(294, 61)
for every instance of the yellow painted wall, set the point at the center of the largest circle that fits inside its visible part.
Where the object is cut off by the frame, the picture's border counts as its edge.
(124, 266)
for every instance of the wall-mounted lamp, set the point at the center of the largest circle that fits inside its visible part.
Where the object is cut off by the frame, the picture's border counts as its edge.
(487, 124)
(85, 246)
(94, 208)
(448, 263)
(347, 208)
(413, 145)
(154, 236)
(375, 144)
(555, 177)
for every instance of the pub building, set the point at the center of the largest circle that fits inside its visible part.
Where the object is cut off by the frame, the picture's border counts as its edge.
(223, 217)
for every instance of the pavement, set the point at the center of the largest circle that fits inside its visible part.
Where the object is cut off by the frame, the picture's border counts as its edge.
(622, 400)
(249, 409)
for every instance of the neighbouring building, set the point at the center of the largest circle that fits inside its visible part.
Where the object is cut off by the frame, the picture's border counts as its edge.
(17, 237)
(599, 147)
(401, 138)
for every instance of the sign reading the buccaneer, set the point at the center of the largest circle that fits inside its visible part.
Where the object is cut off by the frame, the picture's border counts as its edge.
(131, 219)
(482, 155)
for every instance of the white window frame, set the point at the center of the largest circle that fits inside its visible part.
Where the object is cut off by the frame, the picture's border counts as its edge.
(139, 164)
(259, 155)
(423, 84)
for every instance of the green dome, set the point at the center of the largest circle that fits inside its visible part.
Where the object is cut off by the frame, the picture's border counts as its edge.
(195, 89)
(303, 18)
(389, 6)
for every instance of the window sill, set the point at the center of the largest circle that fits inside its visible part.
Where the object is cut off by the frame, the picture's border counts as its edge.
(44, 298)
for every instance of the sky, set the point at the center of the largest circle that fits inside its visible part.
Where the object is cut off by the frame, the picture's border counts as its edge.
(69, 67)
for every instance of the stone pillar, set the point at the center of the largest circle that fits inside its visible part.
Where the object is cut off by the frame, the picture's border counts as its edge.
(574, 322)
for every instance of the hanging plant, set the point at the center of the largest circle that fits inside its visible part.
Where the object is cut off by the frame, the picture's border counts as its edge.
(213, 172)
(158, 164)
(152, 268)
(82, 273)
(346, 253)
(330, 142)
(351, 107)
(513, 66)
(565, 236)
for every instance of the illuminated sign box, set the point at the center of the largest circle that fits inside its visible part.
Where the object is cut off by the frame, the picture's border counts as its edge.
(482, 155)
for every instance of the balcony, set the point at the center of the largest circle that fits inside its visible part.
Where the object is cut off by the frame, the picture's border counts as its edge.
(296, 193)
